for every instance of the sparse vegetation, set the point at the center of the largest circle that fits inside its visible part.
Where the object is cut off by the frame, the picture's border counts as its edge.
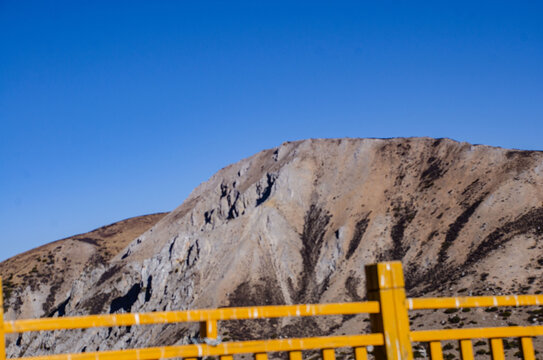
(8, 288)
(455, 319)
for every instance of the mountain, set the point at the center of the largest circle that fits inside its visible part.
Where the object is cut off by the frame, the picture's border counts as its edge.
(297, 224)
(36, 281)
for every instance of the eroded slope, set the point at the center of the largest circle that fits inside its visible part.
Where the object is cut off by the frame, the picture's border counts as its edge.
(298, 223)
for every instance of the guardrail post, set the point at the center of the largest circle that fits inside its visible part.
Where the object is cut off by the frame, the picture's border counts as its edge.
(208, 329)
(385, 284)
(295, 355)
(527, 348)
(328, 354)
(360, 353)
(2, 334)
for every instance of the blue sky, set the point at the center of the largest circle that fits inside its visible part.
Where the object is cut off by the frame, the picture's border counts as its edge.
(112, 109)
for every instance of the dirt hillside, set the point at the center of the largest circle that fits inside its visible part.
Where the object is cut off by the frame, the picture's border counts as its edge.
(297, 224)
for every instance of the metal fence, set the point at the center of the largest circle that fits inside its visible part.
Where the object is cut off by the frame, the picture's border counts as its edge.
(390, 336)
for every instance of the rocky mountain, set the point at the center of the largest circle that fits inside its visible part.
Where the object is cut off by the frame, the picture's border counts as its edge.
(36, 281)
(297, 224)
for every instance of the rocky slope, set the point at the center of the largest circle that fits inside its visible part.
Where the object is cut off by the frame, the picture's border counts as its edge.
(297, 224)
(36, 281)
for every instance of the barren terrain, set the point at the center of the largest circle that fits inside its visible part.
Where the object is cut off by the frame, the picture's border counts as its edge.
(297, 224)
(50, 269)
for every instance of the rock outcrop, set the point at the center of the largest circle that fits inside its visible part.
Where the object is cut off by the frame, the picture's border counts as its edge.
(297, 224)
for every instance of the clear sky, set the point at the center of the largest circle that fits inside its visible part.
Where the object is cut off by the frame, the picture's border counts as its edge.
(112, 109)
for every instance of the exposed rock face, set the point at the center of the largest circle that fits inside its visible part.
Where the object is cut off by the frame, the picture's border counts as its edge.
(36, 282)
(297, 224)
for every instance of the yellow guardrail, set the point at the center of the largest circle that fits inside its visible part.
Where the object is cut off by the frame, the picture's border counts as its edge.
(388, 308)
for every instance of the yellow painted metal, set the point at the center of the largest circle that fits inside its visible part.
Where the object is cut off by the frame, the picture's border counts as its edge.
(295, 355)
(360, 353)
(474, 301)
(476, 333)
(386, 284)
(466, 349)
(527, 348)
(328, 354)
(208, 329)
(2, 335)
(402, 322)
(225, 357)
(261, 356)
(232, 348)
(496, 348)
(240, 313)
(436, 353)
